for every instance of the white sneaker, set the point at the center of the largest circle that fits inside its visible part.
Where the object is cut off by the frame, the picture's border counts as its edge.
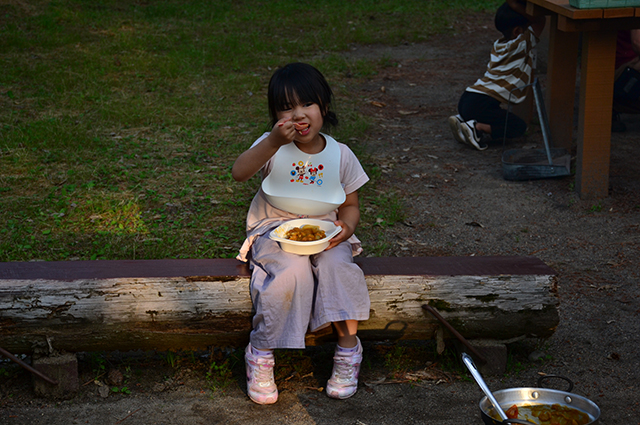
(455, 123)
(261, 385)
(471, 136)
(344, 378)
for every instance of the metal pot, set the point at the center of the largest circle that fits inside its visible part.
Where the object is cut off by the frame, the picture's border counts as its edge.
(537, 396)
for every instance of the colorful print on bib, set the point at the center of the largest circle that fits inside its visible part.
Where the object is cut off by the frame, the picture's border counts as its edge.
(306, 173)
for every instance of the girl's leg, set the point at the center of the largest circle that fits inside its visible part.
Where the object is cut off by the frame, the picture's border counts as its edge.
(341, 298)
(282, 287)
(282, 293)
(347, 331)
(347, 358)
(341, 293)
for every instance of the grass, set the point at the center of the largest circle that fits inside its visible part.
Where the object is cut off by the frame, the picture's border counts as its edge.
(119, 121)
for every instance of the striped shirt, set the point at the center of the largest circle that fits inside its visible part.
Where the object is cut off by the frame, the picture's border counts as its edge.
(511, 65)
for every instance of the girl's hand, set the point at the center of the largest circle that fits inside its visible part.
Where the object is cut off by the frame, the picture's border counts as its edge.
(348, 219)
(344, 234)
(253, 159)
(283, 132)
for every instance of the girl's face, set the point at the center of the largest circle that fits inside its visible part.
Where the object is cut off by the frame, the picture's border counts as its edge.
(308, 121)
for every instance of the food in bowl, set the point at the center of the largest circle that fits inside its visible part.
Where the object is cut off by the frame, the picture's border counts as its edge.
(309, 247)
(306, 233)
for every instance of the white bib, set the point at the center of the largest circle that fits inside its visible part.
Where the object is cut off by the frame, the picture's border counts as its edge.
(305, 184)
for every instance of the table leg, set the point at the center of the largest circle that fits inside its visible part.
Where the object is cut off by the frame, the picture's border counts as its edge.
(561, 83)
(594, 126)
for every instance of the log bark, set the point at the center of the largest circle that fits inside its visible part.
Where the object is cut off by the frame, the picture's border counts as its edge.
(193, 304)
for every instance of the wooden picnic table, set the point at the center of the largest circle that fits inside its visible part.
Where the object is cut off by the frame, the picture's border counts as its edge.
(598, 28)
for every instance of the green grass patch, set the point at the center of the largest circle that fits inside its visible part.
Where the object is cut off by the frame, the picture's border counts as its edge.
(120, 121)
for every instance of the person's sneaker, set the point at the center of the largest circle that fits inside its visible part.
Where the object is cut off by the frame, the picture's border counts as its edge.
(261, 385)
(455, 123)
(346, 368)
(471, 136)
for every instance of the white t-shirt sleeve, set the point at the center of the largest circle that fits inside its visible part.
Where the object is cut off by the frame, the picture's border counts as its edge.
(352, 175)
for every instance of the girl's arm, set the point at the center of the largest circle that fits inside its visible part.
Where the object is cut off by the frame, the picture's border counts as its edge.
(348, 218)
(252, 160)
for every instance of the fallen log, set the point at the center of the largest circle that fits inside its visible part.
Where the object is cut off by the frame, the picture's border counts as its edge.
(192, 304)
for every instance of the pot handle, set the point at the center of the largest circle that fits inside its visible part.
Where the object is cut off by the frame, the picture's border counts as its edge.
(564, 378)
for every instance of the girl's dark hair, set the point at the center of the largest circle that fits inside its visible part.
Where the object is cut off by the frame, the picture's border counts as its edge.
(299, 83)
(507, 19)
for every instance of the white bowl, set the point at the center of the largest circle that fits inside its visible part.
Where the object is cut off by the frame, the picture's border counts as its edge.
(304, 248)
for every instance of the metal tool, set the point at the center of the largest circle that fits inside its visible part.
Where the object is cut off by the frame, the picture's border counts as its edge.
(26, 366)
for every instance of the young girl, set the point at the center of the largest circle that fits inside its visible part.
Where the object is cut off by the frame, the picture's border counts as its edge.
(294, 293)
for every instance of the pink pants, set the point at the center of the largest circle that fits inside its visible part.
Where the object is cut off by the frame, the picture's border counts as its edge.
(295, 293)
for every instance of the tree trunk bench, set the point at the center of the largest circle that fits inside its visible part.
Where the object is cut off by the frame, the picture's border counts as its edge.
(192, 304)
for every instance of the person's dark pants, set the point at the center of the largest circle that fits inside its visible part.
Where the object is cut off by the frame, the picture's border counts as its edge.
(486, 110)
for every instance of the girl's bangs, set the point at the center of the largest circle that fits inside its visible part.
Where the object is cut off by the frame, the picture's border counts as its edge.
(293, 94)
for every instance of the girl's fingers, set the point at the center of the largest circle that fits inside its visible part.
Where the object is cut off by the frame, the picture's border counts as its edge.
(281, 123)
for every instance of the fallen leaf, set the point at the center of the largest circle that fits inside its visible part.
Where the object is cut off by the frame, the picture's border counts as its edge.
(474, 223)
(408, 112)
(378, 104)
(427, 374)
(375, 382)
(104, 391)
(607, 288)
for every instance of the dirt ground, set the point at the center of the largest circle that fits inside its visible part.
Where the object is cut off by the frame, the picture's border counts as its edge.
(457, 204)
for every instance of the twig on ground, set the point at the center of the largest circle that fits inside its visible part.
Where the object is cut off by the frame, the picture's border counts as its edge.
(130, 414)
(93, 379)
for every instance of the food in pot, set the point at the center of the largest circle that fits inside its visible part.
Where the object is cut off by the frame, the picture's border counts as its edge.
(307, 233)
(559, 414)
(512, 412)
(544, 414)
